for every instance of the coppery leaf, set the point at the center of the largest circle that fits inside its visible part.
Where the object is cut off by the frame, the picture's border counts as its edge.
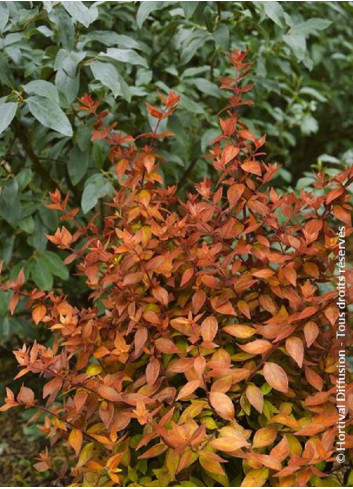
(276, 376)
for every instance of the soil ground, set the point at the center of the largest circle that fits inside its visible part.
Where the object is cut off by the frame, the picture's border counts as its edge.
(17, 454)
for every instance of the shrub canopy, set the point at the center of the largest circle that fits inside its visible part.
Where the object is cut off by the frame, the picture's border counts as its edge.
(209, 346)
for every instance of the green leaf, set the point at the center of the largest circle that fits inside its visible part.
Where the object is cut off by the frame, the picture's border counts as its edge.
(107, 74)
(4, 16)
(23, 178)
(189, 8)
(10, 206)
(125, 56)
(189, 72)
(77, 164)
(55, 264)
(41, 274)
(49, 218)
(38, 240)
(309, 125)
(80, 13)
(48, 113)
(207, 138)
(350, 479)
(222, 35)
(7, 113)
(207, 87)
(193, 46)
(68, 86)
(297, 43)
(275, 12)
(330, 481)
(64, 27)
(27, 225)
(110, 38)
(67, 79)
(42, 88)
(5, 296)
(68, 60)
(96, 187)
(5, 328)
(144, 10)
(311, 25)
(314, 93)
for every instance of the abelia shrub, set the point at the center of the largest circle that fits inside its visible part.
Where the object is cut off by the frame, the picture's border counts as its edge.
(208, 355)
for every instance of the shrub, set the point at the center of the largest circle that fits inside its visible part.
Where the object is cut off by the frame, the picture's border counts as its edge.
(122, 52)
(209, 353)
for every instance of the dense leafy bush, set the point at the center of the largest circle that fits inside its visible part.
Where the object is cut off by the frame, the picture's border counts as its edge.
(52, 52)
(209, 348)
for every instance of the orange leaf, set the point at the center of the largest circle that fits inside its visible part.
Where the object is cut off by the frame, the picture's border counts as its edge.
(161, 295)
(291, 275)
(295, 348)
(223, 384)
(314, 379)
(276, 376)
(222, 405)
(252, 166)
(311, 332)
(109, 393)
(133, 278)
(331, 312)
(281, 450)
(318, 398)
(239, 330)
(264, 437)
(229, 153)
(38, 313)
(255, 397)
(13, 303)
(342, 214)
(80, 399)
(334, 194)
(140, 338)
(256, 347)
(244, 308)
(311, 269)
(152, 371)
(198, 300)
(311, 229)
(209, 328)
(268, 461)
(229, 444)
(154, 451)
(186, 276)
(199, 365)
(148, 162)
(165, 345)
(188, 389)
(210, 462)
(307, 312)
(75, 440)
(26, 396)
(247, 134)
(264, 273)
(54, 385)
(234, 193)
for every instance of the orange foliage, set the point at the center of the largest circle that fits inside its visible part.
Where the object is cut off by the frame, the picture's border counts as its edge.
(210, 346)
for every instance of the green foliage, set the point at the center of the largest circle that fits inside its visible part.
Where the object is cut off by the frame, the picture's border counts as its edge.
(53, 52)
